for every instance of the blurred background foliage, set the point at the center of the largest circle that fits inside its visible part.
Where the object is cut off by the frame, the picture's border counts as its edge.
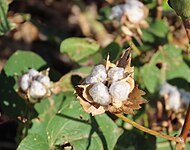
(70, 37)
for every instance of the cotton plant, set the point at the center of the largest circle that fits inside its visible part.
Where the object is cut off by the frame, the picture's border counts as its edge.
(131, 15)
(110, 87)
(34, 85)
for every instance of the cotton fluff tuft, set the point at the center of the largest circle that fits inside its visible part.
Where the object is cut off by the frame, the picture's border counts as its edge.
(116, 73)
(45, 80)
(119, 90)
(37, 90)
(173, 95)
(98, 74)
(24, 82)
(99, 94)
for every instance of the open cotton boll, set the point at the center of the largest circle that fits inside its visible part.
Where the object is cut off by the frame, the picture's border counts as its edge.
(24, 82)
(33, 73)
(172, 94)
(116, 73)
(45, 80)
(119, 90)
(99, 93)
(174, 99)
(116, 12)
(37, 90)
(134, 10)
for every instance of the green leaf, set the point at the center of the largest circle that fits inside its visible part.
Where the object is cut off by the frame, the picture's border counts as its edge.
(166, 64)
(81, 130)
(10, 103)
(104, 14)
(79, 48)
(21, 61)
(147, 36)
(34, 141)
(66, 122)
(68, 82)
(135, 140)
(5, 25)
(113, 50)
(159, 28)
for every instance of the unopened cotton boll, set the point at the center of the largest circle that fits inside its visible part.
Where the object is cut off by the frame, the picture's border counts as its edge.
(37, 90)
(120, 90)
(33, 73)
(116, 73)
(44, 80)
(24, 82)
(99, 93)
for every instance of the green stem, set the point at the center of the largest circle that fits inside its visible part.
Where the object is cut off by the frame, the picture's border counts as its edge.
(149, 131)
(133, 46)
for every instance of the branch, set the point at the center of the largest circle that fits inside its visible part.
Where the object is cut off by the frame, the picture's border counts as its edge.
(159, 9)
(186, 126)
(186, 23)
(149, 131)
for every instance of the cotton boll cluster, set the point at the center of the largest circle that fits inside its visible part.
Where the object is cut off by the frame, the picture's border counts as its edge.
(111, 87)
(34, 84)
(107, 85)
(130, 17)
(175, 97)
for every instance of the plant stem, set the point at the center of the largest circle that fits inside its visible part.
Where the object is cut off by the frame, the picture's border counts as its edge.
(147, 130)
(186, 125)
(133, 46)
(159, 9)
(186, 23)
